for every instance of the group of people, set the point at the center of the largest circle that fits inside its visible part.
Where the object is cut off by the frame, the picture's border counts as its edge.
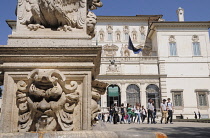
(199, 115)
(129, 114)
(138, 113)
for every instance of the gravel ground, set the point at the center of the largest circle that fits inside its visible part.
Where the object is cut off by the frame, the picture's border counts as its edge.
(175, 130)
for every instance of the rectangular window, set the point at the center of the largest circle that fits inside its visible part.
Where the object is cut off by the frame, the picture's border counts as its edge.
(177, 99)
(196, 49)
(109, 36)
(202, 99)
(173, 49)
(126, 36)
(142, 36)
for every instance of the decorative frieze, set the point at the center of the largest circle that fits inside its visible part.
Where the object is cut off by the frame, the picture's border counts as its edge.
(110, 50)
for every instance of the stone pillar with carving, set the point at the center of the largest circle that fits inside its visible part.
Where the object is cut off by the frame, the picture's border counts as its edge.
(50, 67)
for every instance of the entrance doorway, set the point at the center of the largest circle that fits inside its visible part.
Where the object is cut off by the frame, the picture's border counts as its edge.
(113, 95)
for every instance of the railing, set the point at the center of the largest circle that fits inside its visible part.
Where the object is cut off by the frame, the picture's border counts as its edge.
(130, 59)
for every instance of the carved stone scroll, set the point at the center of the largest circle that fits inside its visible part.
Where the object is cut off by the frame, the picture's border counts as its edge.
(98, 89)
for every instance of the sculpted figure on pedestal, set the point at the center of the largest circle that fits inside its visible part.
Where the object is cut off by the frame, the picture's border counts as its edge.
(57, 14)
(46, 102)
(112, 67)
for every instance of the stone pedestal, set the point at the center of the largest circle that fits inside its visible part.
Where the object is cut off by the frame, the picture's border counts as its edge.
(49, 67)
(73, 68)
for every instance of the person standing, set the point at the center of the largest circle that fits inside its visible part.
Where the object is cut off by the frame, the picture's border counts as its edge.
(170, 110)
(103, 117)
(115, 114)
(199, 115)
(164, 111)
(111, 114)
(154, 112)
(195, 115)
(129, 113)
(122, 112)
(137, 110)
(150, 109)
(143, 114)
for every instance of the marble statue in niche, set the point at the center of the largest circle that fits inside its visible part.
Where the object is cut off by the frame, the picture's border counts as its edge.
(46, 102)
(101, 35)
(118, 35)
(134, 35)
(125, 52)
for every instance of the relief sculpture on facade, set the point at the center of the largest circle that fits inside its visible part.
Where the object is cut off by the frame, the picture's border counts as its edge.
(46, 102)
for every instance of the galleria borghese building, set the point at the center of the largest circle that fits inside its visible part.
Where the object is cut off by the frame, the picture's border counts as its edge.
(175, 62)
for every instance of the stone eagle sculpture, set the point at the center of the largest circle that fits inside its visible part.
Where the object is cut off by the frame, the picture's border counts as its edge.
(58, 14)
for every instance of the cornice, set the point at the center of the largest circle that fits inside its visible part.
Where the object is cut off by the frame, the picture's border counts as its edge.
(181, 25)
(129, 18)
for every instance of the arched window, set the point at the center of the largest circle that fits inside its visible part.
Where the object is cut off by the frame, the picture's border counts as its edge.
(154, 94)
(133, 94)
(113, 95)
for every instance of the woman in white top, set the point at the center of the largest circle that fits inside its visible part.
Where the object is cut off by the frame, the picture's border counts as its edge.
(137, 111)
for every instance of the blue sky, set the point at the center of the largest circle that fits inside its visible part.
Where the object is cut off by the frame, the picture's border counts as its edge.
(195, 10)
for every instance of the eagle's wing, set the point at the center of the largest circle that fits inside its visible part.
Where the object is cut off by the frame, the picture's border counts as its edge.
(24, 11)
(69, 12)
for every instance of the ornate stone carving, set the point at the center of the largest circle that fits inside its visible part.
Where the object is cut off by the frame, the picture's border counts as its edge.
(110, 50)
(172, 39)
(58, 14)
(46, 102)
(91, 22)
(93, 4)
(112, 67)
(195, 38)
(142, 29)
(125, 52)
(98, 89)
(109, 28)
(126, 29)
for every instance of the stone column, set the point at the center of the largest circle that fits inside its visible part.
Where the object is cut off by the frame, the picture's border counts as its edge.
(143, 94)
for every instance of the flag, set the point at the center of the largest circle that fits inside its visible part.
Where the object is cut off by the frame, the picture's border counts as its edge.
(131, 47)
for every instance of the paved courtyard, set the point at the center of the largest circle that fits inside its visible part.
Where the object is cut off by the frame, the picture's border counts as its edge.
(176, 130)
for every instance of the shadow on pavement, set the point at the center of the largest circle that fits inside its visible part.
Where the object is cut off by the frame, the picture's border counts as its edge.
(178, 132)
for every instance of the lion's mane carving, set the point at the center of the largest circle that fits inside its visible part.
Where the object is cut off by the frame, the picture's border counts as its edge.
(45, 102)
